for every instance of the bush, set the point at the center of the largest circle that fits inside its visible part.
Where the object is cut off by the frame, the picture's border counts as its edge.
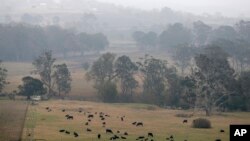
(201, 123)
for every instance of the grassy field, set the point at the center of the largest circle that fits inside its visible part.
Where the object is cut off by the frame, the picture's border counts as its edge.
(80, 87)
(161, 122)
(12, 117)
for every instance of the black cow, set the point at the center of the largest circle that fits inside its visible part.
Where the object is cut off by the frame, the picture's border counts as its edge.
(91, 116)
(109, 131)
(86, 123)
(70, 117)
(134, 123)
(76, 134)
(63, 110)
(139, 124)
(125, 133)
(62, 130)
(140, 137)
(150, 134)
(88, 130)
(99, 136)
(217, 139)
(185, 121)
(124, 138)
(67, 132)
(222, 131)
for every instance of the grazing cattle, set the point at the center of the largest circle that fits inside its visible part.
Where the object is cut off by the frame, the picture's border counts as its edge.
(171, 137)
(88, 130)
(124, 138)
(67, 115)
(67, 132)
(99, 136)
(125, 133)
(167, 138)
(118, 132)
(102, 118)
(122, 119)
(139, 124)
(222, 131)
(150, 134)
(62, 130)
(76, 134)
(80, 111)
(217, 139)
(185, 121)
(107, 115)
(86, 123)
(91, 116)
(109, 131)
(103, 123)
(47, 108)
(114, 137)
(89, 120)
(140, 137)
(134, 123)
(63, 110)
(70, 117)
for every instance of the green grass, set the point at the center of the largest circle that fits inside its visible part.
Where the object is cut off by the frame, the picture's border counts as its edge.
(161, 122)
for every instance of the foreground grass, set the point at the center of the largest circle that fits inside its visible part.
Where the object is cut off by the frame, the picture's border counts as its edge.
(12, 116)
(161, 122)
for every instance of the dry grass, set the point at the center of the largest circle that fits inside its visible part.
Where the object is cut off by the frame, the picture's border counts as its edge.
(161, 122)
(12, 116)
(80, 87)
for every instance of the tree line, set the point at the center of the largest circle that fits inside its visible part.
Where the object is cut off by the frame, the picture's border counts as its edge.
(198, 35)
(211, 84)
(185, 42)
(20, 42)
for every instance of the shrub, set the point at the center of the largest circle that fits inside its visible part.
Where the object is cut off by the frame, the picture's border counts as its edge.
(201, 123)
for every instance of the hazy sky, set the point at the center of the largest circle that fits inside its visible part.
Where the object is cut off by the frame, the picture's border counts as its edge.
(226, 7)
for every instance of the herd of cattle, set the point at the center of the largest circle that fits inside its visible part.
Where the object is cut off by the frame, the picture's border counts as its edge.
(114, 135)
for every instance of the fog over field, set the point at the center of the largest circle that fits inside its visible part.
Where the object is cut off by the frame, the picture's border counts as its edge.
(231, 8)
(146, 70)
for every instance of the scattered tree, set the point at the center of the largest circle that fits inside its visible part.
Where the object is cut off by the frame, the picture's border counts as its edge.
(44, 68)
(31, 86)
(62, 78)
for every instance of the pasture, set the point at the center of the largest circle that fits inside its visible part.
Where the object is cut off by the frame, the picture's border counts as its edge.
(12, 117)
(161, 122)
